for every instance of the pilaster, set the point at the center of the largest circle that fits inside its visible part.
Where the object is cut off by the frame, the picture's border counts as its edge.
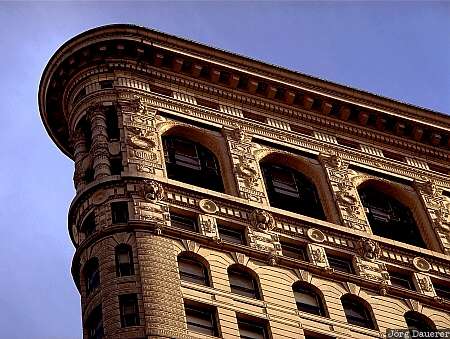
(99, 148)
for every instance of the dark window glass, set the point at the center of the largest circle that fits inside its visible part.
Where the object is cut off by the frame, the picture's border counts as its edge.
(129, 311)
(124, 260)
(183, 222)
(85, 127)
(230, 234)
(243, 283)
(401, 280)
(308, 300)
(356, 312)
(290, 190)
(112, 124)
(116, 165)
(192, 163)
(88, 227)
(94, 324)
(294, 251)
(252, 329)
(81, 94)
(389, 218)
(442, 290)
(92, 275)
(418, 322)
(201, 319)
(192, 270)
(106, 84)
(119, 212)
(340, 264)
(317, 336)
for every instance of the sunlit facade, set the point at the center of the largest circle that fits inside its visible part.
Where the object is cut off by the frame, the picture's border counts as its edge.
(219, 196)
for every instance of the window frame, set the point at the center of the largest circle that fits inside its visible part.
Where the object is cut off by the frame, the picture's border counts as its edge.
(92, 332)
(402, 279)
(132, 301)
(309, 290)
(230, 234)
(208, 312)
(119, 212)
(236, 274)
(365, 319)
(298, 250)
(193, 221)
(247, 323)
(91, 272)
(337, 262)
(117, 252)
(204, 279)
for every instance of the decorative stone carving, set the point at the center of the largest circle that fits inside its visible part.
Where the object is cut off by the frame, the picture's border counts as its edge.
(368, 249)
(141, 135)
(208, 226)
(438, 209)
(421, 264)
(371, 269)
(152, 190)
(317, 255)
(315, 235)
(423, 284)
(262, 220)
(245, 165)
(263, 240)
(208, 206)
(345, 193)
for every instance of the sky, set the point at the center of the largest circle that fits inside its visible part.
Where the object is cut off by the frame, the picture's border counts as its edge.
(396, 49)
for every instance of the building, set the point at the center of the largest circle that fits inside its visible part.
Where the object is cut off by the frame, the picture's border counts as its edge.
(217, 195)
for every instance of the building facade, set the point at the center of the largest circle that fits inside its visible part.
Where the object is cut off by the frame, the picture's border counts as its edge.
(219, 196)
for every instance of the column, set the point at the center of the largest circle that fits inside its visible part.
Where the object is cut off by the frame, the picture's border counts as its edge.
(99, 148)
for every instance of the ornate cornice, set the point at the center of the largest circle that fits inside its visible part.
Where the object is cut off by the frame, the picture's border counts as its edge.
(249, 78)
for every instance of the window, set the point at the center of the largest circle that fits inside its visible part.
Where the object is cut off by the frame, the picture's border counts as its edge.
(252, 328)
(294, 251)
(106, 84)
(119, 212)
(89, 175)
(290, 190)
(230, 234)
(88, 226)
(442, 290)
(116, 165)
(94, 324)
(201, 319)
(356, 312)
(192, 270)
(316, 336)
(124, 260)
(340, 264)
(191, 163)
(91, 275)
(242, 282)
(112, 123)
(307, 299)
(129, 311)
(400, 279)
(183, 222)
(389, 218)
(418, 322)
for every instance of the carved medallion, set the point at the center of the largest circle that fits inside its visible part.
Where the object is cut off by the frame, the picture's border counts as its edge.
(368, 249)
(262, 220)
(421, 264)
(315, 235)
(208, 206)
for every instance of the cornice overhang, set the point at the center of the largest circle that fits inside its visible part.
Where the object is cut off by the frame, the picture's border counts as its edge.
(234, 72)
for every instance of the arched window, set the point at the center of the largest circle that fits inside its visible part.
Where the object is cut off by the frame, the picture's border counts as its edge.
(192, 270)
(357, 312)
(290, 190)
(308, 299)
(94, 323)
(190, 162)
(389, 218)
(243, 282)
(88, 226)
(91, 275)
(418, 322)
(124, 260)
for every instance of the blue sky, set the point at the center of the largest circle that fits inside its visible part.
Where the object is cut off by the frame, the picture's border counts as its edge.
(397, 49)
